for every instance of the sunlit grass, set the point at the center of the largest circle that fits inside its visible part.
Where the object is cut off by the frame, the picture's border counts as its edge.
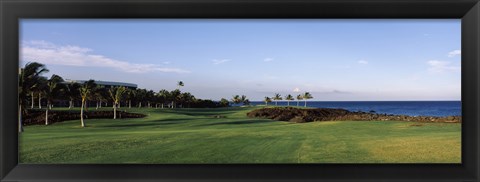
(195, 136)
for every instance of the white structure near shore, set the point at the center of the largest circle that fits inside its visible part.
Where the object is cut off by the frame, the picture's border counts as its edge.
(106, 84)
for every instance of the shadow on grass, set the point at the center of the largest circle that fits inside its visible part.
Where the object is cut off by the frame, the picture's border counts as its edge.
(239, 122)
(152, 123)
(204, 111)
(156, 123)
(128, 125)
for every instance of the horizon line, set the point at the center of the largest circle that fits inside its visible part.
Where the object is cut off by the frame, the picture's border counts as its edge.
(368, 101)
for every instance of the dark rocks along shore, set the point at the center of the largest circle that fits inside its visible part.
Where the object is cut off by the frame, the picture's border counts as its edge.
(300, 115)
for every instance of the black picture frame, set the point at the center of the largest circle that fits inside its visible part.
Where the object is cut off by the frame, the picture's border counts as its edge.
(466, 10)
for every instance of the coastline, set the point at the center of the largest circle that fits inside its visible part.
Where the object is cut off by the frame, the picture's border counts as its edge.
(303, 115)
(409, 108)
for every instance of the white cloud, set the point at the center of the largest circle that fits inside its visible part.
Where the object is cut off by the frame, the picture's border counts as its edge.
(39, 43)
(454, 53)
(362, 62)
(268, 59)
(441, 66)
(49, 53)
(220, 61)
(296, 90)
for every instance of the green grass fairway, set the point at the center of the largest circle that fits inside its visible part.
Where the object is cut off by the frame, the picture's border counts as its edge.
(195, 136)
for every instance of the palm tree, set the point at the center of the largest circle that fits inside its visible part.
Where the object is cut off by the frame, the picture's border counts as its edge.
(150, 96)
(72, 92)
(174, 97)
(163, 96)
(244, 100)
(32, 96)
(38, 88)
(307, 96)
(179, 84)
(141, 93)
(158, 99)
(85, 93)
(22, 89)
(277, 97)
(41, 86)
(91, 85)
(224, 102)
(28, 79)
(267, 100)
(236, 99)
(186, 98)
(54, 87)
(289, 98)
(299, 97)
(131, 93)
(116, 94)
(99, 95)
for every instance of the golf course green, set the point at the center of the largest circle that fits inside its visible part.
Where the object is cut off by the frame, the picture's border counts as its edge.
(227, 135)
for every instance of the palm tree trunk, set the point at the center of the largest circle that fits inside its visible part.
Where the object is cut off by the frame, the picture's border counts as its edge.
(33, 100)
(81, 114)
(114, 111)
(101, 103)
(275, 103)
(288, 103)
(97, 106)
(70, 104)
(140, 105)
(172, 104)
(39, 100)
(129, 104)
(305, 102)
(20, 127)
(162, 105)
(298, 103)
(46, 116)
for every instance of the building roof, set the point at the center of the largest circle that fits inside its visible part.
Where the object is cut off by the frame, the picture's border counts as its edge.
(109, 83)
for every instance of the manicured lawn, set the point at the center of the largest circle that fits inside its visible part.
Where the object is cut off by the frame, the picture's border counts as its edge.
(195, 136)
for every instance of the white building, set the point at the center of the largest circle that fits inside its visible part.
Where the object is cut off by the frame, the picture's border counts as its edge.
(106, 84)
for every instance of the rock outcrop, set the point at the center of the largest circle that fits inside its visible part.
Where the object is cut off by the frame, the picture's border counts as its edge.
(299, 115)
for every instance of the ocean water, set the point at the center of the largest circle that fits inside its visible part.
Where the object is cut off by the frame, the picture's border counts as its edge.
(411, 108)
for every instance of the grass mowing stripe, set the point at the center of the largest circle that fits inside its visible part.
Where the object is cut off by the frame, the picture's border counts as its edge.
(196, 136)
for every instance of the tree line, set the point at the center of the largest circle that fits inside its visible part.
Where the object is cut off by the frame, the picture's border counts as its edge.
(305, 96)
(33, 86)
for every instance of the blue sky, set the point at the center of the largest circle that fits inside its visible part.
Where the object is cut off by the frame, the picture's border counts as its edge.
(335, 60)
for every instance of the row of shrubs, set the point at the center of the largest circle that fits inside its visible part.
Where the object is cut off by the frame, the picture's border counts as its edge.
(37, 117)
(298, 115)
